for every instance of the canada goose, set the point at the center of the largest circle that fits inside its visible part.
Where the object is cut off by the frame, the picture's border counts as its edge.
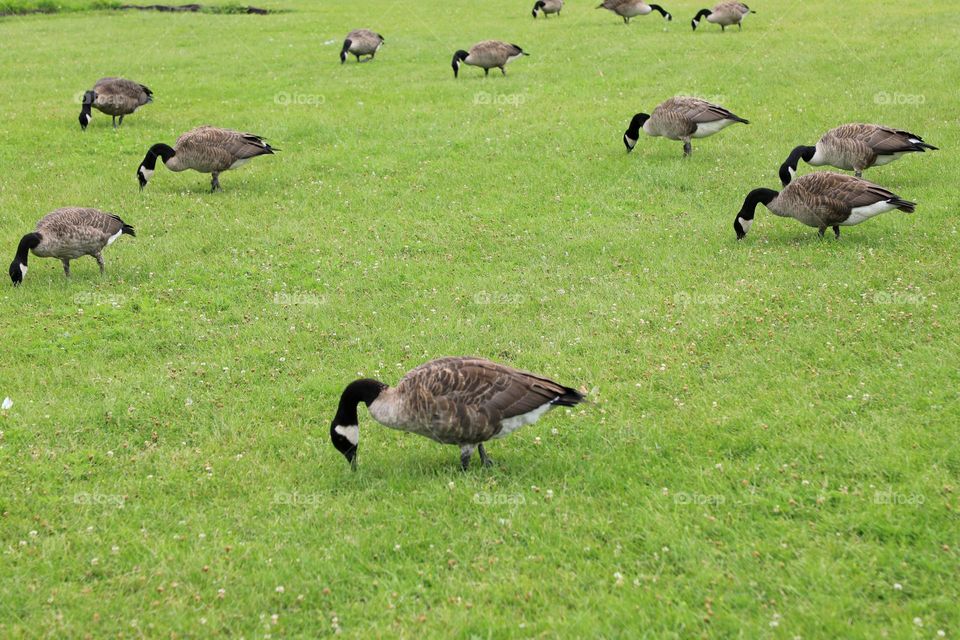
(822, 199)
(67, 234)
(205, 149)
(114, 97)
(856, 147)
(627, 9)
(457, 400)
(547, 7)
(361, 42)
(680, 118)
(724, 14)
(487, 55)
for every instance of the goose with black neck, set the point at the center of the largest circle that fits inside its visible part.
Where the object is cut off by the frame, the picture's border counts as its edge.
(463, 401)
(821, 200)
(205, 149)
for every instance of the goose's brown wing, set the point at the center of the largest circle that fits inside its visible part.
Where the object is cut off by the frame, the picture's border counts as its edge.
(469, 397)
(701, 111)
(216, 149)
(833, 195)
(886, 141)
(120, 90)
(85, 220)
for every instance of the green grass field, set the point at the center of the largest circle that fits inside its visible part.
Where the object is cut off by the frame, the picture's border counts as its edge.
(771, 450)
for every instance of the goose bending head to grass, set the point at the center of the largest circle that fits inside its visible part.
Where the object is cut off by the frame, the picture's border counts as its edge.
(489, 54)
(855, 147)
(723, 14)
(361, 42)
(67, 234)
(627, 9)
(461, 401)
(114, 97)
(680, 118)
(820, 200)
(546, 7)
(205, 149)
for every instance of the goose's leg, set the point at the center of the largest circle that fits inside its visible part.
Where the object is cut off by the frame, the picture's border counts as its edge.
(99, 258)
(723, 27)
(120, 123)
(626, 20)
(215, 183)
(503, 70)
(466, 452)
(114, 121)
(66, 267)
(836, 230)
(687, 147)
(740, 26)
(484, 458)
(486, 72)
(858, 173)
(821, 231)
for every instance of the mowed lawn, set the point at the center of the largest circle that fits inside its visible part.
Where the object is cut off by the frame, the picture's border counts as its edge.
(771, 447)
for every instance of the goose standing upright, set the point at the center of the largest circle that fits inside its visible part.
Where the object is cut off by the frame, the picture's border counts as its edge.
(680, 118)
(822, 199)
(724, 14)
(855, 147)
(627, 9)
(487, 55)
(205, 149)
(462, 401)
(66, 234)
(361, 42)
(114, 97)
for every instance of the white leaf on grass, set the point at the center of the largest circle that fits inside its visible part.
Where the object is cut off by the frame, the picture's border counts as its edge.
(7, 403)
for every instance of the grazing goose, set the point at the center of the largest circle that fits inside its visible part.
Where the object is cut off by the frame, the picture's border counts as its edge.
(205, 149)
(856, 147)
(547, 7)
(458, 400)
(680, 118)
(724, 14)
(487, 55)
(361, 42)
(67, 234)
(822, 199)
(627, 9)
(114, 97)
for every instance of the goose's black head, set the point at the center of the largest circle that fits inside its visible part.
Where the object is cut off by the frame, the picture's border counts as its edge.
(744, 219)
(85, 116)
(17, 271)
(703, 13)
(149, 164)
(789, 166)
(345, 429)
(18, 268)
(458, 57)
(345, 50)
(632, 134)
(539, 5)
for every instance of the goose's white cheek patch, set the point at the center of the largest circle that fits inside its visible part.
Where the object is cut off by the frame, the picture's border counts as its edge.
(146, 173)
(745, 224)
(350, 432)
(23, 270)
